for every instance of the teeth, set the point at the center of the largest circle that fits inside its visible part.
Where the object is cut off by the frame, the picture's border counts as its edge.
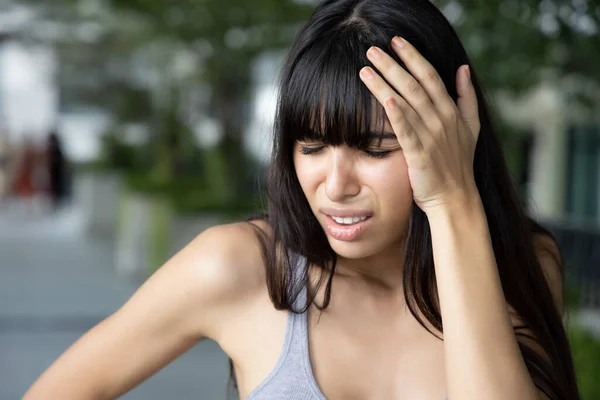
(348, 220)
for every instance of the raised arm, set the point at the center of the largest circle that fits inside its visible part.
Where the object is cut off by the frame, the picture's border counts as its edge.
(183, 302)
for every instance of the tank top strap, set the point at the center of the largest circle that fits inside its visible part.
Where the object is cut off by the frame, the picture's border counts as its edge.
(292, 376)
(300, 340)
(297, 325)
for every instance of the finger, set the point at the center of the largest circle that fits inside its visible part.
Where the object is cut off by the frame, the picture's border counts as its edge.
(404, 120)
(407, 136)
(425, 74)
(467, 100)
(407, 86)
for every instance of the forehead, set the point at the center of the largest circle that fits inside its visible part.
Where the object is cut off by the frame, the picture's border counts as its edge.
(356, 122)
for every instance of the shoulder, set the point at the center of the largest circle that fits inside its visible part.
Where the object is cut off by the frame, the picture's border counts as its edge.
(198, 293)
(218, 272)
(229, 256)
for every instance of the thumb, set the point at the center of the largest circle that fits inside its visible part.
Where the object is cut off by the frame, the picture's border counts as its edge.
(467, 100)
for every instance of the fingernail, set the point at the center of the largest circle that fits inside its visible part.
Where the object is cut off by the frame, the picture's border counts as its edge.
(468, 72)
(367, 73)
(374, 53)
(398, 42)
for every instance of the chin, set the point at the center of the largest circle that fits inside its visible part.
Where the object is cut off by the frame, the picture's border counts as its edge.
(354, 250)
(367, 246)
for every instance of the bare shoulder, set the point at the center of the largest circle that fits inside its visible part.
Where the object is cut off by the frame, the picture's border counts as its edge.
(224, 268)
(199, 293)
(227, 256)
(203, 285)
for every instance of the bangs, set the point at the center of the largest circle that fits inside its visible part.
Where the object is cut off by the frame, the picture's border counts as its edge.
(325, 99)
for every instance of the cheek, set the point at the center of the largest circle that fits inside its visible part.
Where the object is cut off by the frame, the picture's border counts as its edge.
(305, 172)
(391, 185)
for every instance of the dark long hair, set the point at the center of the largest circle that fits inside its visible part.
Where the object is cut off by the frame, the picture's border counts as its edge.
(320, 82)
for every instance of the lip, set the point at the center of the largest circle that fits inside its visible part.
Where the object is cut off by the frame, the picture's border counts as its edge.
(346, 233)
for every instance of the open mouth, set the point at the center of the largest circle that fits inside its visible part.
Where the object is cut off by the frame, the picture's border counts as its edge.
(349, 220)
(346, 228)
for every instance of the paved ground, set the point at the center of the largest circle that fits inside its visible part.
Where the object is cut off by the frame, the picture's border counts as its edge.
(55, 284)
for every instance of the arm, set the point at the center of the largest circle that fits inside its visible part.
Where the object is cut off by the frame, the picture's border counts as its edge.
(183, 302)
(482, 354)
(438, 137)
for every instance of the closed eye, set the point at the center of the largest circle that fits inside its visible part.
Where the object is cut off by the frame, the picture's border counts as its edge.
(311, 150)
(306, 150)
(377, 154)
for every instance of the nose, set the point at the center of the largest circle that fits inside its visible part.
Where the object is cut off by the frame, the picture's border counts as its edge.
(341, 180)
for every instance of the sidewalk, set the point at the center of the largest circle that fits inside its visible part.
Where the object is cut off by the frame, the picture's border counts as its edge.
(55, 284)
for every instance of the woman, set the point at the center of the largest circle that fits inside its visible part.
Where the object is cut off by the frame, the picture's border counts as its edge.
(390, 210)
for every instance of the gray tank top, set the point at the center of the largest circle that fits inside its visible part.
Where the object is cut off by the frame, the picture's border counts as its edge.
(292, 378)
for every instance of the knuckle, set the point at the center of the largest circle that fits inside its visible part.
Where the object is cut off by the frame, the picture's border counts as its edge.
(414, 88)
(385, 68)
(405, 108)
(424, 102)
(423, 160)
(440, 130)
(450, 114)
(425, 156)
(396, 118)
(405, 133)
(437, 128)
(432, 75)
(440, 133)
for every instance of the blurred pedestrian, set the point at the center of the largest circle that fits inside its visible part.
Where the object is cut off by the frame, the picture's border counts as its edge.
(23, 182)
(57, 170)
(29, 175)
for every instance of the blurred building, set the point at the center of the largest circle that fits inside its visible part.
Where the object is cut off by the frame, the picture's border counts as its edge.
(562, 171)
(562, 155)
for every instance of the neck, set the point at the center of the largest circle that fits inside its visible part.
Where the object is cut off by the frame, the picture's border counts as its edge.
(380, 273)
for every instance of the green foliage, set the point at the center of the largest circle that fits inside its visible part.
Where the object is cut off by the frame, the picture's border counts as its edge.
(511, 41)
(508, 45)
(213, 19)
(585, 348)
(118, 155)
(190, 194)
(572, 293)
(161, 216)
(586, 357)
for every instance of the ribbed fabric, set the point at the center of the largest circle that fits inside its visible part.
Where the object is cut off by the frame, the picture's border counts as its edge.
(292, 378)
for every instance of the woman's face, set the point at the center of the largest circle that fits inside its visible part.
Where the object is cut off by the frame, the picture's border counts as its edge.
(361, 198)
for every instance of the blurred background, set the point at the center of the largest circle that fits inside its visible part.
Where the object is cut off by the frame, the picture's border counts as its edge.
(129, 126)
